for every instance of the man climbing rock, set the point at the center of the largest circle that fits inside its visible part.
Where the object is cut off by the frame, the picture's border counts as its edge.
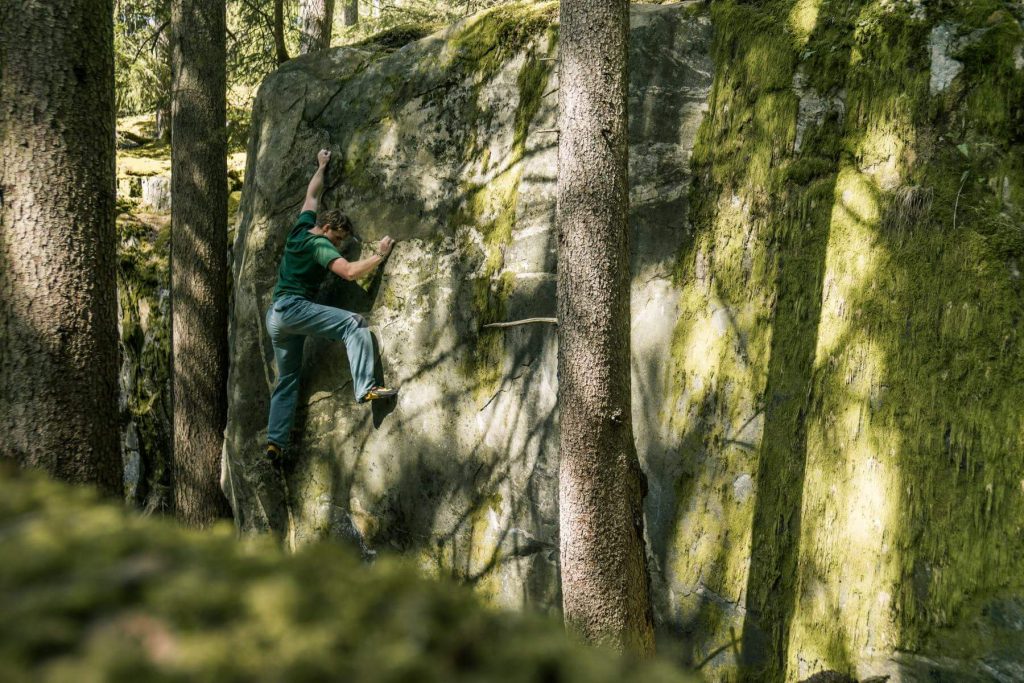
(312, 248)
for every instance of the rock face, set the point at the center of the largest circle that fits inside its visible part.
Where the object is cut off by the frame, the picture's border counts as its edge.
(156, 193)
(448, 146)
(826, 288)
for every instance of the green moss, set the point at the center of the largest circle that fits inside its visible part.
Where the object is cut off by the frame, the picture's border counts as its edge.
(877, 342)
(92, 593)
(991, 84)
(486, 362)
(532, 81)
(143, 279)
(491, 208)
(493, 37)
(395, 37)
(359, 155)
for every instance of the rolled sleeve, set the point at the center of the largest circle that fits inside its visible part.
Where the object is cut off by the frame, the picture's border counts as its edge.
(324, 252)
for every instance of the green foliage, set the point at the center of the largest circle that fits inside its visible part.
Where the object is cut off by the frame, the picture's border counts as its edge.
(397, 36)
(91, 593)
(141, 59)
(142, 56)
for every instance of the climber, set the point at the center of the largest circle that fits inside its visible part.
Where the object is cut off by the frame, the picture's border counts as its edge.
(312, 247)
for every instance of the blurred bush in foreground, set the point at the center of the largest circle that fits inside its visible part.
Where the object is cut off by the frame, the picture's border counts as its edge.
(90, 592)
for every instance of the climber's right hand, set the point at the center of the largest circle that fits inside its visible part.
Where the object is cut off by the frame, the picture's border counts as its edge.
(385, 246)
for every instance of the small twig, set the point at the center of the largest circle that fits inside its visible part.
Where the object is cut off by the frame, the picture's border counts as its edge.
(546, 130)
(526, 321)
(550, 92)
(963, 179)
(547, 59)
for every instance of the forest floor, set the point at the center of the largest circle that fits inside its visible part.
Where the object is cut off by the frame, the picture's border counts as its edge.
(141, 155)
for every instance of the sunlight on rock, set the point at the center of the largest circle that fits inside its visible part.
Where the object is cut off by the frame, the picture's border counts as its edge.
(881, 155)
(851, 259)
(851, 487)
(803, 18)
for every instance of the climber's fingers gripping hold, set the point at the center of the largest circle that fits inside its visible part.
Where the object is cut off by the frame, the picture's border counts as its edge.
(324, 157)
(384, 248)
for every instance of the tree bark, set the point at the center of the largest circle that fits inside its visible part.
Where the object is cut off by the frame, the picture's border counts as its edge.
(605, 584)
(198, 258)
(58, 298)
(350, 13)
(316, 17)
(279, 47)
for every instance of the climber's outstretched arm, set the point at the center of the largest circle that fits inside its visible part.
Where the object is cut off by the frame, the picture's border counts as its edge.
(316, 183)
(353, 270)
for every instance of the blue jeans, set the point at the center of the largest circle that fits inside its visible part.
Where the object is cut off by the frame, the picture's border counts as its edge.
(290, 320)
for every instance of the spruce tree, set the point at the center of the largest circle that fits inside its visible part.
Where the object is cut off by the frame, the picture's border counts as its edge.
(198, 257)
(58, 296)
(605, 585)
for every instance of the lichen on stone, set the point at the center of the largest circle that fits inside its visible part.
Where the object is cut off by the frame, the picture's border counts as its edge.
(872, 337)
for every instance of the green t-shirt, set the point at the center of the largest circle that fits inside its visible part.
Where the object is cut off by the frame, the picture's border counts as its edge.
(306, 258)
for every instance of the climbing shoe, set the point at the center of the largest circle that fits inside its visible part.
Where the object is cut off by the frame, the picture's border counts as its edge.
(274, 453)
(377, 393)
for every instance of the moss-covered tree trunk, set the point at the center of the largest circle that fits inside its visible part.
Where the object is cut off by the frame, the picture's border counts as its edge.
(316, 17)
(603, 563)
(58, 305)
(198, 258)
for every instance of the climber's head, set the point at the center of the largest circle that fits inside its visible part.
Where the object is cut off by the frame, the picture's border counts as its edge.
(336, 226)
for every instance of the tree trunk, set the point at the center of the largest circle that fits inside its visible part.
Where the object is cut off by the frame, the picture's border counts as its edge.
(162, 53)
(316, 17)
(350, 13)
(198, 257)
(58, 299)
(279, 47)
(605, 585)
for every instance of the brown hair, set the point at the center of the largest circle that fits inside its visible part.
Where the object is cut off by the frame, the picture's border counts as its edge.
(334, 219)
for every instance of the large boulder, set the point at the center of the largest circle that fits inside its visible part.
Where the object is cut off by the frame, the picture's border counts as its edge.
(449, 146)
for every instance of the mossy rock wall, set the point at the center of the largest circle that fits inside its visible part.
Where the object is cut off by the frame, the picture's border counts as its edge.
(144, 304)
(846, 366)
(826, 210)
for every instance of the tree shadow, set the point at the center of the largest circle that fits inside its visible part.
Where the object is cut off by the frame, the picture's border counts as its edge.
(475, 495)
(784, 197)
(776, 524)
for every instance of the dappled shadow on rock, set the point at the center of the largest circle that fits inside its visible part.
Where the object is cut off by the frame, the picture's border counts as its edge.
(447, 146)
